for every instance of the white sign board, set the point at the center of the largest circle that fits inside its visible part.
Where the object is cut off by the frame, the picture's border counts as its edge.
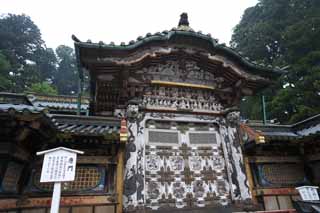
(308, 192)
(58, 166)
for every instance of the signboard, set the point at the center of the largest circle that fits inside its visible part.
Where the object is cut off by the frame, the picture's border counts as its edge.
(308, 192)
(58, 166)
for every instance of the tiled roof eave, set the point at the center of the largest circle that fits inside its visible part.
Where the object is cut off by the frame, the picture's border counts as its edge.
(90, 126)
(21, 108)
(214, 46)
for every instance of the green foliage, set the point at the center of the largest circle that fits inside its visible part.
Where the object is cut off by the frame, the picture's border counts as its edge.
(25, 62)
(282, 33)
(5, 82)
(251, 106)
(43, 88)
(66, 77)
(47, 64)
(20, 41)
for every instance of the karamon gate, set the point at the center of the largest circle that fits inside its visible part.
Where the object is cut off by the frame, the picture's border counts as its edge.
(179, 91)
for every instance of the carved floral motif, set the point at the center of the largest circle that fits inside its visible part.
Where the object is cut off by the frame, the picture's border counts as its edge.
(178, 190)
(176, 163)
(195, 163)
(222, 189)
(218, 162)
(153, 190)
(198, 188)
(153, 163)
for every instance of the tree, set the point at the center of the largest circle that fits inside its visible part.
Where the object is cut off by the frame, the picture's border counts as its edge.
(47, 63)
(43, 88)
(284, 33)
(5, 81)
(21, 43)
(66, 77)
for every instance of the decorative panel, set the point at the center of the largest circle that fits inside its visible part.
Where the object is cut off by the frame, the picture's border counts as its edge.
(202, 138)
(175, 163)
(189, 172)
(88, 178)
(11, 177)
(186, 170)
(281, 174)
(270, 203)
(163, 137)
(285, 202)
(153, 163)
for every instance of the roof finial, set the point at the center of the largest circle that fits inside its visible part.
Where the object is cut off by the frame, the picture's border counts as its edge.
(184, 23)
(183, 20)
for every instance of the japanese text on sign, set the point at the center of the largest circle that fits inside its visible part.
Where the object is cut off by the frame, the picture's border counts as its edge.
(58, 166)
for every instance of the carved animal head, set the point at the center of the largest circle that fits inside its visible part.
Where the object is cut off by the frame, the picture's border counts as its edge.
(132, 111)
(233, 118)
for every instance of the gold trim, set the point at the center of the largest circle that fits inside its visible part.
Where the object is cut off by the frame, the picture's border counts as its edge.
(119, 180)
(250, 179)
(169, 83)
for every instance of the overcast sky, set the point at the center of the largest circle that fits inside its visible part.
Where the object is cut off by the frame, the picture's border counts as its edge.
(125, 20)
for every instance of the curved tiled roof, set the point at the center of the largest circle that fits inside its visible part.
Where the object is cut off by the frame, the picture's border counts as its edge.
(190, 37)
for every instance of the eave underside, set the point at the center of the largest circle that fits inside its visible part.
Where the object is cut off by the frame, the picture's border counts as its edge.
(234, 74)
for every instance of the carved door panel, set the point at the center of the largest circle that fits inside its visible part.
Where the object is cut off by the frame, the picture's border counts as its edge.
(185, 167)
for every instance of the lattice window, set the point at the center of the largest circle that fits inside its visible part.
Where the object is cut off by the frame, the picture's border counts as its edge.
(163, 137)
(202, 138)
(87, 178)
(282, 174)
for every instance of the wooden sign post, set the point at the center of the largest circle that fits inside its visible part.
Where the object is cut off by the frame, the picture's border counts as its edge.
(59, 165)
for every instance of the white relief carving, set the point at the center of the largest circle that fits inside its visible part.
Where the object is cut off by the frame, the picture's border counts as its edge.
(218, 162)
(195, 163)
(180, 104)
(153, 190)
(176, 163)
(199, 187)
(153, 162)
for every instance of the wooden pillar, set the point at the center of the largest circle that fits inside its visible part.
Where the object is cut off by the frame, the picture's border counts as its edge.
(250, 179)
(120, 168)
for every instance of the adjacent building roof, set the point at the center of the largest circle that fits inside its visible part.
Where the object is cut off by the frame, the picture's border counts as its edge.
(86, 125)
(58, 102)
(17, 103)
(273, 132)
(108, 128)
